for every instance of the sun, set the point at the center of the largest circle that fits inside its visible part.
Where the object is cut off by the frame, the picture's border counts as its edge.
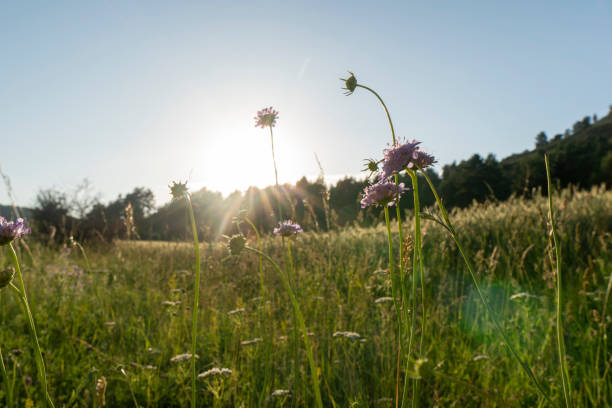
(237, 157)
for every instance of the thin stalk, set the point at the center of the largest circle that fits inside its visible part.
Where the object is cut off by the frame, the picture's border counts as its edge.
(196, 305)
(7, 385)
(419, 251)
(560, 341)
(395, 302)
(40, 363)
(488, 307)
(301, 322)
(400, 233)
(278, 198)
(384, 107)
(84, 254)
(295, 335)
(260, 262)
(417, 261)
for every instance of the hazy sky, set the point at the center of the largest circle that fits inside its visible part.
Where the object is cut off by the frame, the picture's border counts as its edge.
(139, 93)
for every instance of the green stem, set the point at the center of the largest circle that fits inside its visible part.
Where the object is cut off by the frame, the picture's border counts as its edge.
(278, 193)
(84, 255)
(260, 262)
(560, 341)
(417, 261)
(40, 363)
(196, 306)
(384, 107)
(488, 307)
(401, 236)
(395, 300)
(301, 322)
(295, 335)
(7, 385)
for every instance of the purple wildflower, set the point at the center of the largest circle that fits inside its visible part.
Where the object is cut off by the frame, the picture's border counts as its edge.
(401, 156)
(398, 157)
(422, 160)
(266, 117)
(382, 193)
(287, 228)
(11, 230)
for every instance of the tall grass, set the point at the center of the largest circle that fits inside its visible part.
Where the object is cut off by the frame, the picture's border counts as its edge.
(132, 311)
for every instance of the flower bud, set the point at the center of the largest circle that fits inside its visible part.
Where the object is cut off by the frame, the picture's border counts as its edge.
(236, 244)
(6, 276)
(178, 190)
(350, 84)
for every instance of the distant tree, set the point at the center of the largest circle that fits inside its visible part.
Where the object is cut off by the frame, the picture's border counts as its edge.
(541, 140)
(594, 118)
(51, 214)
(83, 199)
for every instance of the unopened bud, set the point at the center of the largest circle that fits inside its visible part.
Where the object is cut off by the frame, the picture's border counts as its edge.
(6, 276)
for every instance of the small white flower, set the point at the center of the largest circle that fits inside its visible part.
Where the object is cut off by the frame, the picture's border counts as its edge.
(226, 372)
(252, 341)
(182, 357)
(348, 335)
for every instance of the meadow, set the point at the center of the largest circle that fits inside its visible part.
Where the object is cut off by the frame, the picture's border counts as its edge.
(115, 327)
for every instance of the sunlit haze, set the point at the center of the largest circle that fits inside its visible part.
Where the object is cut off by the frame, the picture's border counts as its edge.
(132, 94)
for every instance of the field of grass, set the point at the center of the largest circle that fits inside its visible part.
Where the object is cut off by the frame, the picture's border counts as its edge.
(111, 330)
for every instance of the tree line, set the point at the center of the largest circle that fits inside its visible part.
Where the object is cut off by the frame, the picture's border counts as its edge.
(581, 156)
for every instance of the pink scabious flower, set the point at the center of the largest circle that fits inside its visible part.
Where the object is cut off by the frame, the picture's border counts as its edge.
(11, 230)
(401, 156)
(383, 193)
(287, 228)
(422, 160)
(266, 117)
(398, 157)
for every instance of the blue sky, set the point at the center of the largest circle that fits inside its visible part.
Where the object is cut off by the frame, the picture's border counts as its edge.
(133, 94)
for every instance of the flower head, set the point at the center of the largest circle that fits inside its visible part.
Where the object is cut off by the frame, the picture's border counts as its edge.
(287, 228)
(371, 165)
(422, 160)
(382, 193)
(398, 157)
(178, 190)
(266, 117)
(350, 84)
(11, 230)
(236, 244)
(216, 371)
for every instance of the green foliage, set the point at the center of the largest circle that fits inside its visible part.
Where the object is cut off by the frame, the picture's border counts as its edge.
(131, 312)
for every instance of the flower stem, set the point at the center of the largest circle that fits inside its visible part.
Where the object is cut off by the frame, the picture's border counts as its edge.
(384, 107)
(417, 261)
(488, 307)
(40, 363)
(560, 342)
(302, 324)
(295, 335)
(394, 283)
(7, 385)
(260, 262)
(401, 238)
(278, 193)
(196, 306)
(84, 255)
